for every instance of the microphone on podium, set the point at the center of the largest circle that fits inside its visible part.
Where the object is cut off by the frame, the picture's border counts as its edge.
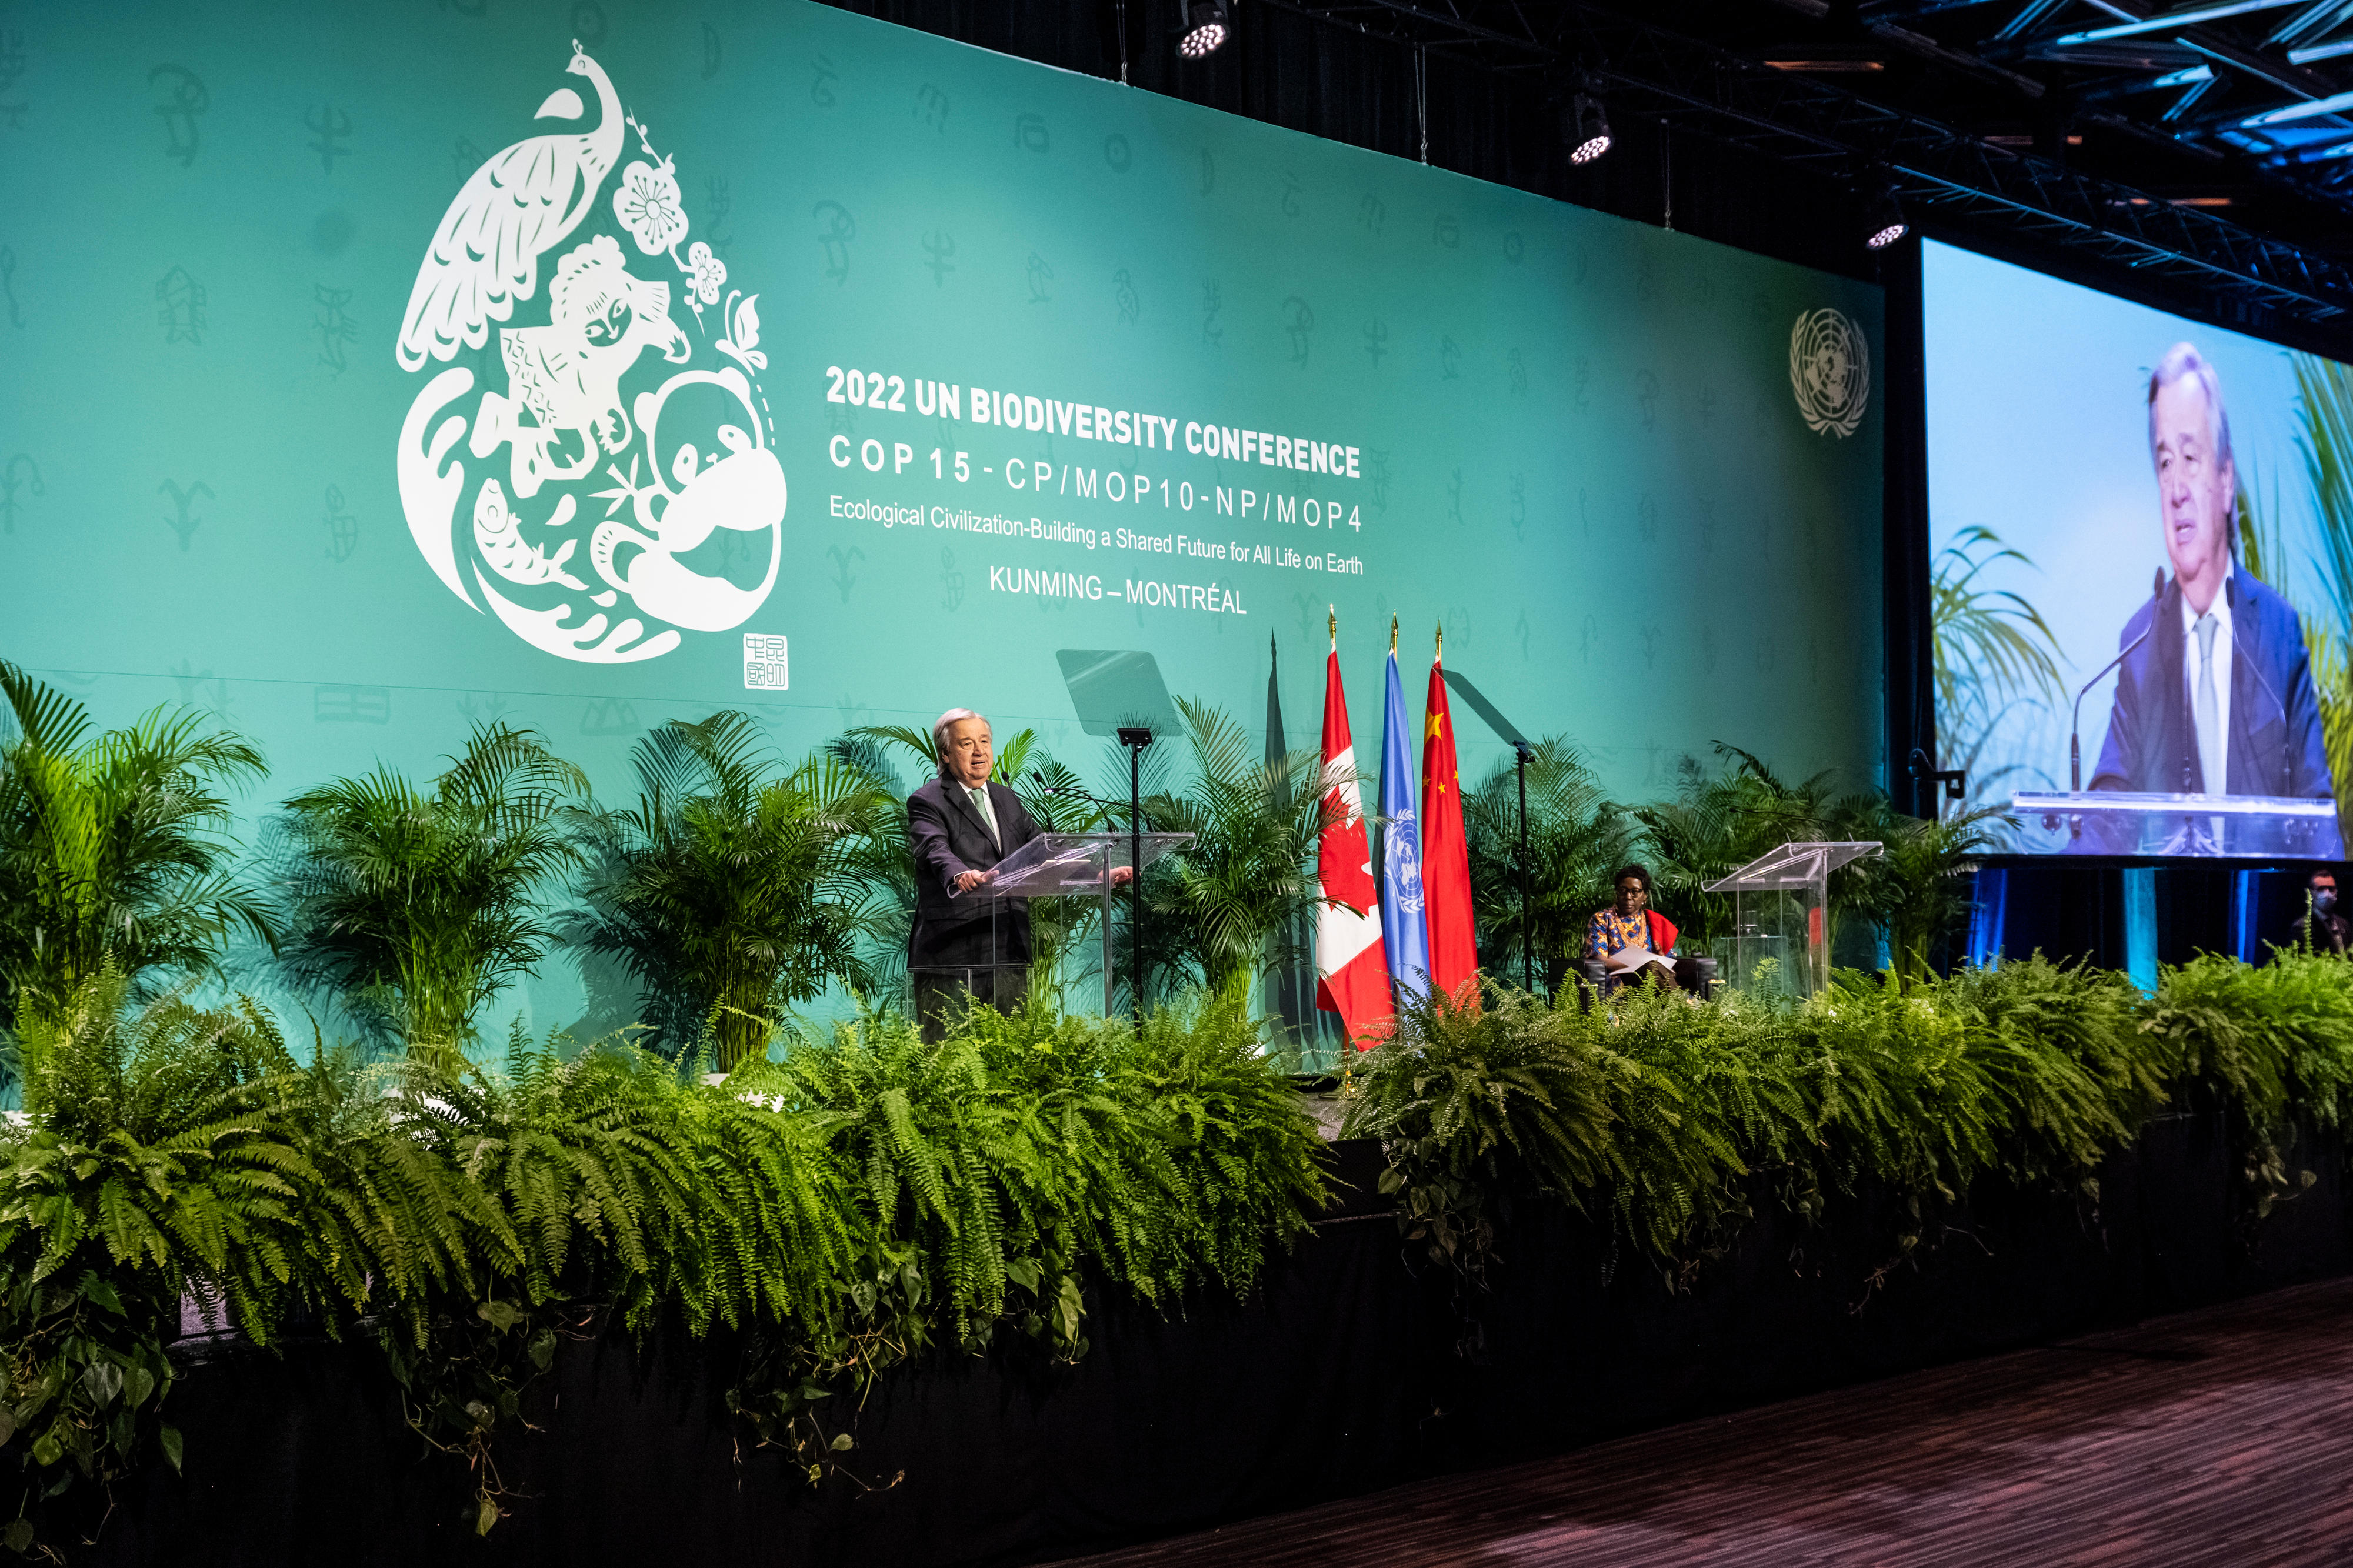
(2075, 724)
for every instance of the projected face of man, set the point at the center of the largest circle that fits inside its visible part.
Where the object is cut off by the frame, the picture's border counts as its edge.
(970, 753)
(2194, 488)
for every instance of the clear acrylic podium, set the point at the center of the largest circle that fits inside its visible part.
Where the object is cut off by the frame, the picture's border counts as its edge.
(1062, 866)
(1780, 916)
(2118, 821)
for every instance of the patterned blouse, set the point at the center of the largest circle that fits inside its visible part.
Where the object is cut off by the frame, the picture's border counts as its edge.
(1609, 931)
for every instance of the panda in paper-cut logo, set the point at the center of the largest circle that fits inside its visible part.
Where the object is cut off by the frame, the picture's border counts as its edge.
(604, 404)
(1830, 371)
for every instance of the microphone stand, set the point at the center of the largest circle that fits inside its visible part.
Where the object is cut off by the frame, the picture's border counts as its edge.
(2076, 722)
(1095, 800)
(1135, 737)
(1527, 899)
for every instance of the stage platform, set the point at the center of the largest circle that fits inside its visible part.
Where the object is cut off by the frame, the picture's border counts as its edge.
(1346, 1374)
(2216, 1437)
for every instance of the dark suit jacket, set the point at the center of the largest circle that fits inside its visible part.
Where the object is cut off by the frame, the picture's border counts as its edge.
(2275, 741)
(947, 837)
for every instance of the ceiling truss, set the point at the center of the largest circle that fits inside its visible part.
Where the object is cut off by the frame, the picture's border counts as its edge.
(2251, 98)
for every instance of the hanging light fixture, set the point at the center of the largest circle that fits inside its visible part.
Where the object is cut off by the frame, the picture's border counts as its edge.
(1207, 24)
(1586, 129)
(1884, 222)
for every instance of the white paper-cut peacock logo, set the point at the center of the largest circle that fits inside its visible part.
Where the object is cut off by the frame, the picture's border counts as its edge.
(1830, 371)
(595, 411)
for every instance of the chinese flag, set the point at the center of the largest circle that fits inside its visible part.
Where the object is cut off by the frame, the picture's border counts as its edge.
(1352, 976)
(1445, 857)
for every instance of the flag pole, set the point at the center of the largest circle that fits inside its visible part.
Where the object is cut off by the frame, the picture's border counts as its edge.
(1528, 895)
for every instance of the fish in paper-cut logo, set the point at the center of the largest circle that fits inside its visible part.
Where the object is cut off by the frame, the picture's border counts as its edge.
(592, 411)
(1830, 371)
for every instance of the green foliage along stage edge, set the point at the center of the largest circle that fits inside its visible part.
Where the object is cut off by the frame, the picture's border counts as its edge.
(1671, 1118)
(862, 1202)
(867, 1200)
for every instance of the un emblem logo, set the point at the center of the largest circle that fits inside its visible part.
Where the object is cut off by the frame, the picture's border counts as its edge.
(1830, 371)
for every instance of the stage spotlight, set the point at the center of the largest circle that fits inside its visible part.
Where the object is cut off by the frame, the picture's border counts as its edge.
(1586, 129)
(1207, 24)
(1884, 223)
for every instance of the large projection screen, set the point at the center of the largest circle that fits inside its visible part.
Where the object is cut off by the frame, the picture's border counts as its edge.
(2087, 504)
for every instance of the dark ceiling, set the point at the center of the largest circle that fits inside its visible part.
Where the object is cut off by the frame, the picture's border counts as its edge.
(2210, 141)
(2201, 155)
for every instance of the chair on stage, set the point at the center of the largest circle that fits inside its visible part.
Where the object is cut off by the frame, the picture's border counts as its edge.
(1694, 972)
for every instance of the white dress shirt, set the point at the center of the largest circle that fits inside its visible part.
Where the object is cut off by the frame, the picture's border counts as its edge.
(2213, 751)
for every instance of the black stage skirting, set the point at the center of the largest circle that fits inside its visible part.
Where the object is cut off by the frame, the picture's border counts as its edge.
(1342, 1375)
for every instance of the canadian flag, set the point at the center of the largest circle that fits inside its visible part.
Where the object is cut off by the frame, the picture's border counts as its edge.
(1351, 969)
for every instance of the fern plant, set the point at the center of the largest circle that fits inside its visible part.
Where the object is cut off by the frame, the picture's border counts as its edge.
(607, 1182)
(1474, 1102)
(2270, 1043)
(157, 1164)
(1659, 1111)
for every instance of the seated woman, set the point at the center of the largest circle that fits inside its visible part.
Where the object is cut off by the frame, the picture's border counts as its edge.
(1619, 935)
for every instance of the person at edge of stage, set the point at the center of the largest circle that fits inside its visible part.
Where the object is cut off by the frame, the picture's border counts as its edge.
(960, 826)
(2328, 930)
(1629, 921)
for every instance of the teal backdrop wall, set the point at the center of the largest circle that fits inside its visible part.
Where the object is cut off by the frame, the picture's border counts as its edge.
(371, 372)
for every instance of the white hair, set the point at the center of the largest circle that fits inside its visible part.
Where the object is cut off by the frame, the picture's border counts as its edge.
(2182, 361)
(947, 721)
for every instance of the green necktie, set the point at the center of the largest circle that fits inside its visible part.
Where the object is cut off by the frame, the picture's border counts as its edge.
(988, 816)
(2210, 757)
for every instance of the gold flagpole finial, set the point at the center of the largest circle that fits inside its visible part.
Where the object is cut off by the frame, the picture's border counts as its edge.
(1393, 634)
(1440, 654)
(1332, 621)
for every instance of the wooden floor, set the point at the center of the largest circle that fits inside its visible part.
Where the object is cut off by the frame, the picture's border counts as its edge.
(2220, 1436)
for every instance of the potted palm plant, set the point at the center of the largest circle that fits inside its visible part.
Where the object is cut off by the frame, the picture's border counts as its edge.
(1575, 836)
(1225, 907)
(113, 848)
(417, 904)
(734, 888)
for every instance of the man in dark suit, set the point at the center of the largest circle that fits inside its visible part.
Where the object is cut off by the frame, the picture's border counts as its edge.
(960, 826)
(2217, 696)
